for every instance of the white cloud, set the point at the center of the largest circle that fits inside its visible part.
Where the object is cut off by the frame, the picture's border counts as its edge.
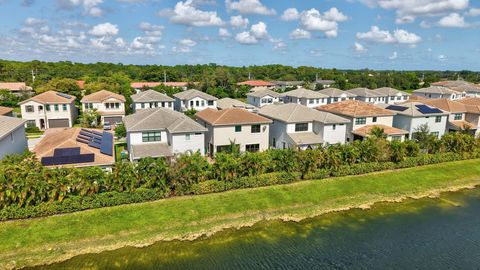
(246, 38)
(34, 21)
(239, 21)
(359, 47)
(249, 7)
(334, 14)
(442, 58)
(290, 14)
(259, 30)
(151, 29)
(90, 7)
(299, 34)
(104, 29)
(399, 36)
(327, 22)
(393, 56)
(280, 46)
(452, 20)
(181, 49)
(186, 13)
(188, 42)
(222, 32)
(473, 12)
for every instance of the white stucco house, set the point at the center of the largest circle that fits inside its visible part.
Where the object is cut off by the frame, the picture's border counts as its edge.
(297, 126)
(393, 96)
(473, 112)
(434, 92)
(305, 97)
(50, 109)
(12, 136)
(194, 99)
(337, 95)
(364, 117)
(248, 130)
(410, 116)
(110, 106)
(161, 132)
(470, 89)
(457, 114)
(263, 97)
(368, 96)
(151, 99)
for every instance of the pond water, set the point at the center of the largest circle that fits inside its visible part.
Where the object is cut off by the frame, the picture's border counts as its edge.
(442, 233)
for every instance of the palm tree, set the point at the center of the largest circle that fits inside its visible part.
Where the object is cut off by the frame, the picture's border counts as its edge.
(378, 132)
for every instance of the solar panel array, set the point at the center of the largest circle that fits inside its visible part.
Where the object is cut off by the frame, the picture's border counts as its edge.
(427, 110)
(64, 95)
(107, 144)
(397, 108)
(98, 140)
(64, 160)
(66, 151)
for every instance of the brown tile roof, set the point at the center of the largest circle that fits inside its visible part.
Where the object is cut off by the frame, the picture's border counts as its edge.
(51, 97)
(470, 101)
(139, 85)
(81, 84)
(66, 138)
(102, 95)
(446, 105)
(15, 86)
(5, 110)
(355, 108)
(365, 130)
(461, 124)
(256, 83)
(416, 98)
(232, 116)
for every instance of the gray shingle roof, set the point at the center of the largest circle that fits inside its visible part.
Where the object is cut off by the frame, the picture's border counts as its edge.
(151, 150)
(365, 92)
(151, 96)
(262, 93)
(304, 93)
(193, 93)
(295, 113)
(334, 92)
(388, 91)
(161, 119)
(436, 90)
(305, 138)
(226, 103)
(9, 124)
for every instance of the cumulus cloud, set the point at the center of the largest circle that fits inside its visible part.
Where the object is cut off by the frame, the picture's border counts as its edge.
(399, 36)
(249, 7)
(239, 21)
(473, 12)
(246, 38)
(290, 14)
(442, 58)
(257, 32)
(299, 34)
(314, 20)
(186, 13)
(90, 7)
(104, 29)
(224, 33)
(452, 20)
(393, 56)
(359, 47)
(188, 42)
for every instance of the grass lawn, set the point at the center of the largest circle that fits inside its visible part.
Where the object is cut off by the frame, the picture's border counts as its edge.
(42, 240)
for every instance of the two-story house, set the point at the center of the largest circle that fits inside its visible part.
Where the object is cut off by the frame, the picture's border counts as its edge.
(393, 96)
(412, 115)
(263, 97)
(337, 95)
(364, 117)
(297, 126)
(151, 99)
(161, 132)
(234, 126)
(305, 97)
(193, 99)
(435, 92)
(50, 109)
(458, 113)
(12, 136)
(473, 112)
(368, 96)
(110, 106)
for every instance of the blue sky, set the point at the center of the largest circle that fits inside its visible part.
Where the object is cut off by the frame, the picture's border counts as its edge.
(377, 34)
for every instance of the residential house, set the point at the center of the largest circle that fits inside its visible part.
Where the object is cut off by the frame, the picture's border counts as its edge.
(50, 109)
(324, 83)
(411, 115)
(17, 88)
(305, 97)
(194, 99)
(238, 126)
(295, 125)
(473, 112)
(263, 98)
(12, 136)
(337, 95)
(284, 85)
(161, 132)
(364, 117)
(435, 92)
(368, 96)
(227, 103)
(151, 99)
(470, 89)
(393, 96)
(6, 111)
(257, 83)
(110, 106)
(458, 113)
(76, 147)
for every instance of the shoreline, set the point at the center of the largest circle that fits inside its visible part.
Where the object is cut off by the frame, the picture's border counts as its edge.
(42, 254)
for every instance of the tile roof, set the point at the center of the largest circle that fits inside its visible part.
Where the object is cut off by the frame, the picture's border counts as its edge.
(15, 86)
(334, 92)
(305, 138)
(66, 138)
(436, 90)
(389, 91)
(9, 124)
(446, 105)
(472, 104)
(355, 108)
(193, 93)
(288, 83)
(151, 150)
(232, 116)
(365, 130)
(461, 124)
(161, 119)
(410, 109)
(151, 96)
(226, 103)
(263, 93)
(81, 84)
(256, 83)
(365, 92)
(296, 113)
(139, 85)
(101, 96)
(5, 110)
(416, 98)
(176, 84)
(304, 93)
(51, 97)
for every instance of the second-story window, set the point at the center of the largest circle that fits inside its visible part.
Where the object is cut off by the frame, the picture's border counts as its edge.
(438, 119)
(29, 108)
(360, 121)
(210, 103)
(238, 128)
(457, 116)
(151, 136)
(64, 107)
(255, 128)
(187, 137)
(47, 107)
(117, 105)
(55, 107)
(301, 127)
(374, 119)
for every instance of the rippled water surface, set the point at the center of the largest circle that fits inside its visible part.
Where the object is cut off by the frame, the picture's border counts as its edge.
(439, 233)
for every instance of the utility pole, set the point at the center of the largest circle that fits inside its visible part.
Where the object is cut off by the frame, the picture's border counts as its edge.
(164, 76)
(34, 72)
(249, 76)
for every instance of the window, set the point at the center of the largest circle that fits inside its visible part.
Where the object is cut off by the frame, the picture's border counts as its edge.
(238, 128)
(151, 136)
(399, 98)
(438, 119)
(163, 104)
(457, 116)
(301, 127)
(187, 137)
(197, 103)
(47, 107)
(142, 105)
(117, 105)
(274, 143)
(191, 103)
(31, 123)
(436, 134)
(255, 129)
(334, 127)
(210, 103)
(374, 119)
(29, 108)
(40, 108)
(252, 147)
(203, 103)
(107, 105)
(335, 99)
(284, 145)
(55, 107)
(311, 101)
(360, 121)
(396, 138)
(64, 107)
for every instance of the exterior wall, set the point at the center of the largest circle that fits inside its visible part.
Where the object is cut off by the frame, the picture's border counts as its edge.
(37, 114)
(136, 137)
(278, 131)
(397, 98)
(309, 102)
(260, 102)
(331, 133)
(432, 96)
(411, 124)
(343, 97)
(381, 120)
(13, 143)
(184, 105)
(101, 107)
(181, 144)
(472, 94)
(154, 104)
(475, 120)
(224, 135)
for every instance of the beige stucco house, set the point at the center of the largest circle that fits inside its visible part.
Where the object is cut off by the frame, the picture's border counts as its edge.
(110, 106)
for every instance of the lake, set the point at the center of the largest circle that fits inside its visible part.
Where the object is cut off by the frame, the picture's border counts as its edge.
(441, 233)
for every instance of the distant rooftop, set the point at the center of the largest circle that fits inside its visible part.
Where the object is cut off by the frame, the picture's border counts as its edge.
(254, 83)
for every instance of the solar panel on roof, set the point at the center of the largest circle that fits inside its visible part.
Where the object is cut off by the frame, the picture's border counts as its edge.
(82, 141)
(64, 95)
(427, 110)
(397, 108)
(107, 144)
(62, 160)
(95, 144)
(72, 151)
